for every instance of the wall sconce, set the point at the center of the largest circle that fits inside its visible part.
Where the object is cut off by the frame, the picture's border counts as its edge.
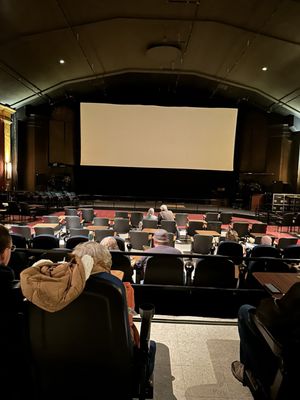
(8, 170)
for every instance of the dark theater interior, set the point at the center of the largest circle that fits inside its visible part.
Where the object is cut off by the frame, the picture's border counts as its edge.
(109, 109)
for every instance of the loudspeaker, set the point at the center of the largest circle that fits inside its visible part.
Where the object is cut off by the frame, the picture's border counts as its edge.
(293, 123)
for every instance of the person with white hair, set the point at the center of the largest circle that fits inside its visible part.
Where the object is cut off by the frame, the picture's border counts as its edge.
(52, 286)
(150, 214)
(266, 240)
(165, 214)
(110, 243)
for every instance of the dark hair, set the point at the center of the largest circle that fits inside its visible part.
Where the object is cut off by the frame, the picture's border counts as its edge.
(5, 238)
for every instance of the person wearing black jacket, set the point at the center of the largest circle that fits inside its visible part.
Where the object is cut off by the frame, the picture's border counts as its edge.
(12, 373)
(281, 317)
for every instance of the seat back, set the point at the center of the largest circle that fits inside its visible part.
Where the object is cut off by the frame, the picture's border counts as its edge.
(149, 223)
(87, 344)
(214, 226)
(285, 242)
(120, 242)
(87, 214)
(215, 271)
(226, 217)
(26, 209)
(231, 249)
(121, 214)
(121, 225)
(19, 240)
(102, 233)
(122, 262)
(164, 270)
(263, 250)
(135, 218)
(139, 239)
(242, 228)
(292, 251)
(297, 220)
(72, 221)
(287, 220)
(259, 227)
(181, 220)
(211, 216)
(44, 242)
(13, 208)
(51, 219)
(193, 226)
(43, 230)
(71, 212)
(19, 260)
(101, 221)
(23, 230)
(79, 231)
(171, 239)
(202, 244)
(73, 241)
(169, 226)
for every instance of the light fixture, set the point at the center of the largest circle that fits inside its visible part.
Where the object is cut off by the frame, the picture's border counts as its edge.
(164, 52)
(61, 61)
(8, 170)
(264, 69)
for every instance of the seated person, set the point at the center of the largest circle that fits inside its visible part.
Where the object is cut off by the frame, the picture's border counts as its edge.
(232, 235)
(160, 245)
(150, 215)
(110, 243)
(53, 286)
(282, 318)
(266, 240)
(165, 214)
(13, 371)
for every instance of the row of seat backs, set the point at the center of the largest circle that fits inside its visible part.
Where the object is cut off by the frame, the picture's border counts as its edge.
(140, 240)
(88, 215)
(23, 258)
(241, 227)
(289, 220)
(213, 271)
(48, 241)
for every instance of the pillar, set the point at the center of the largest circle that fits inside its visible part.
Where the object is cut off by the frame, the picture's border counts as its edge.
(6, 167)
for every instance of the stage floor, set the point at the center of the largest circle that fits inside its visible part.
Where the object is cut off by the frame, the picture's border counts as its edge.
(184, 207)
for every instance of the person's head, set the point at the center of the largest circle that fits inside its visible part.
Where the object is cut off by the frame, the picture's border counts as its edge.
(110, 243)
(266, 240)
(150, 211)
(160, 237)
(6, 246)
(100, 255)
(231, 234)
(163, 207)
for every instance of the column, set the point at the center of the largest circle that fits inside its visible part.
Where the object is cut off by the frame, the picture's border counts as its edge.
(6, 168)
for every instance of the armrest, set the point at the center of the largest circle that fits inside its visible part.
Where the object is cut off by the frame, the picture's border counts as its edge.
(147, 312)
(189, 268)
(274, 344)
(16, 284)
(277, 350)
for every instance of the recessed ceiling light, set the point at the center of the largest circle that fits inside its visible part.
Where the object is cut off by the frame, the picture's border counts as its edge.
(61, 61)
(264, 69)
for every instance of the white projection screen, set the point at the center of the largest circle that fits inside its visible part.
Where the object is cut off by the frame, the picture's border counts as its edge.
(157, 137)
